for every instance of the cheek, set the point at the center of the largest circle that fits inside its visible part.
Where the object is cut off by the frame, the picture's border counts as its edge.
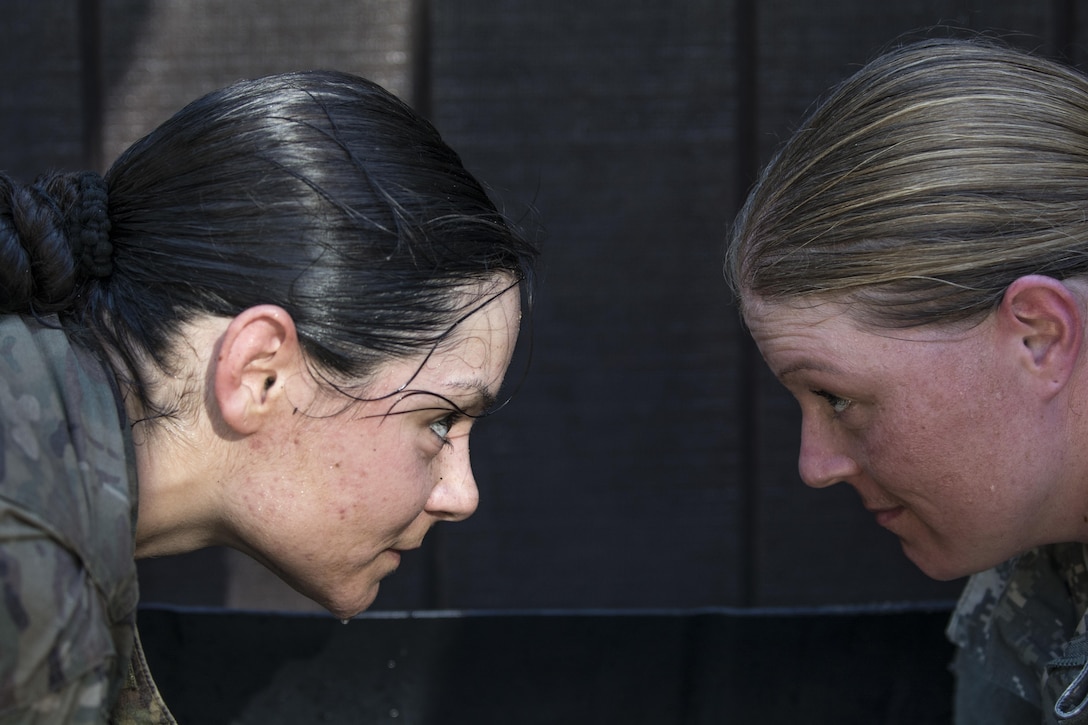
(371, 485)
(925, 449)
(957, 466)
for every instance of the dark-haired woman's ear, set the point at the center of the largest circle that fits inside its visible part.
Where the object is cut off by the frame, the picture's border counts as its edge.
(1045, 317)
(258, 349)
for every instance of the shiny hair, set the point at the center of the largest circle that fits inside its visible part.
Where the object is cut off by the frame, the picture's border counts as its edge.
(924, 185)
(316, 191)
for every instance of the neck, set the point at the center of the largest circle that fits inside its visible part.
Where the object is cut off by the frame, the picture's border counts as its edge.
(177, 511)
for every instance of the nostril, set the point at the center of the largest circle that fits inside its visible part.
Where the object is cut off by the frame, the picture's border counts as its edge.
(821, 468)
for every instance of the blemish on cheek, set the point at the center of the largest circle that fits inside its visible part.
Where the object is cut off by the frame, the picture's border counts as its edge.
(259, 502)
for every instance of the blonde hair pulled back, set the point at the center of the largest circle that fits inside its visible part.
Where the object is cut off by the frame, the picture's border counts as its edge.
(924, 185)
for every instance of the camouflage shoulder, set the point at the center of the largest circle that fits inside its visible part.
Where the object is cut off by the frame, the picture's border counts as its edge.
(140, 702)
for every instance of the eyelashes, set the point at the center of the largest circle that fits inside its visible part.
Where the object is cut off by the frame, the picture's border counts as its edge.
(444, 425)
(838, 405)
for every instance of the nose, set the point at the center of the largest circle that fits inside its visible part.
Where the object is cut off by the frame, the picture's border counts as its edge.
(823, 460)
(455, 496)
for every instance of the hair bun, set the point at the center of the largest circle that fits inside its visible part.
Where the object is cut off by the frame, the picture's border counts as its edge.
(54, 233)
(89, 225)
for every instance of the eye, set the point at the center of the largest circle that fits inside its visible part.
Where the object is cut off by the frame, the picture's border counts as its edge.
(838, 405)
(443, 425)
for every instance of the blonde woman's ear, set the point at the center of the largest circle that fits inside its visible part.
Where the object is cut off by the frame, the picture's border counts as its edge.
(1045, 316)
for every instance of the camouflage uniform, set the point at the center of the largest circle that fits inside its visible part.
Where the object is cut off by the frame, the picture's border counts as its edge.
(68, 589)
(1023, 643)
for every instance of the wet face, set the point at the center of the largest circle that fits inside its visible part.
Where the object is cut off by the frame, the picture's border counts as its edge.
(339, 492)
(933, 428)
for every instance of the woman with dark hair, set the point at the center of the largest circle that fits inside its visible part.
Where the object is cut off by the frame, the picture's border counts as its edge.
(913, 265)
(271, 327)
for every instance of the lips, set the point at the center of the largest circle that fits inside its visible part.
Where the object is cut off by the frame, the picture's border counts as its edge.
(400, 550)
(885, 516)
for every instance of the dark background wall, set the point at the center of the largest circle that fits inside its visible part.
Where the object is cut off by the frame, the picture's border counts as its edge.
(648, 460)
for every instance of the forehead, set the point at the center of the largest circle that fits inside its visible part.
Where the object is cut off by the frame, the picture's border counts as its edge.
(789, 334)
(474, 355)
(827, 336)
(492, 318)
(772, 320)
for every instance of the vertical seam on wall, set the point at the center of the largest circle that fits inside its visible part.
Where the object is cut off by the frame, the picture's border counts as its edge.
(420, 41)
(434, 594)
(748, 396)
(1063, 30)
(89, 29)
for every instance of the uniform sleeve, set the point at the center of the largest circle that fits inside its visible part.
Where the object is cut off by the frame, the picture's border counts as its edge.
(56, 654)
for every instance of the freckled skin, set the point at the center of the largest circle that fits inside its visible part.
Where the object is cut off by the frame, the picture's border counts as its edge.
(372, 482)
(323, 488)
(938, 424)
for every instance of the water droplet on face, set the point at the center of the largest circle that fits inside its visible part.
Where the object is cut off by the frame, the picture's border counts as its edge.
(345, 621)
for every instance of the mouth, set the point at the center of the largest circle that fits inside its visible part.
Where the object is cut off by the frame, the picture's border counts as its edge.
(885, 516)
(397, 552)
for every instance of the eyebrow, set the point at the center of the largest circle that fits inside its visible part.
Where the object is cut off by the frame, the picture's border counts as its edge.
(805, 366)
(483, 398)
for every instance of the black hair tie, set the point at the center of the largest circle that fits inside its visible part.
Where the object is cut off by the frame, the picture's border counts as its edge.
(89, 226)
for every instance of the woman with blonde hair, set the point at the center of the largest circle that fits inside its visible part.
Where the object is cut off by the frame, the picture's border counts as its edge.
(913, 265)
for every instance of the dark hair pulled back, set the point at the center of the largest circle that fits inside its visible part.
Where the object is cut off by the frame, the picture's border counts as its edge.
(54, 235)
(317, 191)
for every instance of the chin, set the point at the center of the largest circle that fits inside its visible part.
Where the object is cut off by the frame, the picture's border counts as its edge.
(348, 606)
(938, 567)
(945, 575)
(343, 602)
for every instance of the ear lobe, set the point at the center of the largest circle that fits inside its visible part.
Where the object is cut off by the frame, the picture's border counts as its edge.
(1046, 318)
(257, 351)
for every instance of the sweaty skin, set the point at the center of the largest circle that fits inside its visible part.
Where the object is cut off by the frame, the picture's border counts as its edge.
(326, 491)
(939, 431)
